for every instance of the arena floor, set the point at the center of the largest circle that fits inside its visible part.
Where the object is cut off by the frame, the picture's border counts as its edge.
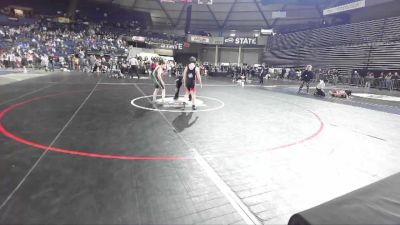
(86, 149)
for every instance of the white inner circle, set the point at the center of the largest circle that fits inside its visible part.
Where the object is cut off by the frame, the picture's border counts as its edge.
(179, 105)
(169, 102)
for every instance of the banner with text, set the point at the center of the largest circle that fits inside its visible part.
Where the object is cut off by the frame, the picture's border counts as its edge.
(241, 41)
(176, 46)
(198, 39)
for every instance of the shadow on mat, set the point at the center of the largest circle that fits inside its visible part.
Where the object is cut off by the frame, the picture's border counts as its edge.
(183, 121)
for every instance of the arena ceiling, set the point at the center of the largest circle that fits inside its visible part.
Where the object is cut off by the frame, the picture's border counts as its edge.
(233, 14)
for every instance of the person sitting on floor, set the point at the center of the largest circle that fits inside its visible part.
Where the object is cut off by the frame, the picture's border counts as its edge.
(319, 91)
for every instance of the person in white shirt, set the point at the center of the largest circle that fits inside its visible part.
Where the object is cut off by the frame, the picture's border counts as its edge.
(134, 66)
(169, 67)
(12, 59)
(81, 54)
(1, 60)
(320, 89)
(45, 62)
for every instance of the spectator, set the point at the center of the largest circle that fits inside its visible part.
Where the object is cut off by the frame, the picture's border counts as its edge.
(2, 59)
(355, 78)
(51, 63)
(395, 76)
(388, 81)
(369, 79)
(292, 74)
(382, 83)
(24, 63)
(395, 81)
(11, 59)
(335, 76)
(44, 62)
(29, 57)
(362, 78)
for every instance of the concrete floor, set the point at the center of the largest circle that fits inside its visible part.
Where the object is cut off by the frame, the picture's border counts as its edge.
(74, 150)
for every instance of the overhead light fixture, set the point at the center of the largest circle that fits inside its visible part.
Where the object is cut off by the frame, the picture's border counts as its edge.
(232, 35)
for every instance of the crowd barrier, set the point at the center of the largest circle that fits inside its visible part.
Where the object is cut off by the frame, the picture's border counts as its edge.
(380, 83)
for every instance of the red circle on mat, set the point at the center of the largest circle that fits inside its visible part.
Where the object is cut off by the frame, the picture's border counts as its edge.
(17, 138)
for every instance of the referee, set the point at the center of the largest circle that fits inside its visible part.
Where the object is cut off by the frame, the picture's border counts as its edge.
(134, 63)
(306, 78)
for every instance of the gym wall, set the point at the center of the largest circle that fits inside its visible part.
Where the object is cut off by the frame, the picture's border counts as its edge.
(249, 56)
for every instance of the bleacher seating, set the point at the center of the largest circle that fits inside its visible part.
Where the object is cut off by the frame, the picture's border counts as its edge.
(365, 45)
(391, 31)
(355, 33)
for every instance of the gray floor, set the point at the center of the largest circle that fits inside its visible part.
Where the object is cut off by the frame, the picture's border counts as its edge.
(263, 155)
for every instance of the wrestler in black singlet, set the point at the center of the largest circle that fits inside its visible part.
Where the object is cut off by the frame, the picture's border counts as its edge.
(191, 79)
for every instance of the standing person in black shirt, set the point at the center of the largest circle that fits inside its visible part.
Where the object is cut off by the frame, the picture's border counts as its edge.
(178, 81)
(190, 76)
(306, 78)
(24, 62)
(262, 73)
(283, 73)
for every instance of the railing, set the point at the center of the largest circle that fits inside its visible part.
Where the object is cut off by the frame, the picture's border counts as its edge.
(367, 82)
(379, 83)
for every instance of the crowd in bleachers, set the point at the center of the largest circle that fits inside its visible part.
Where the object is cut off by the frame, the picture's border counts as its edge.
(46, 45)
(29, 45)
(90, 50)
